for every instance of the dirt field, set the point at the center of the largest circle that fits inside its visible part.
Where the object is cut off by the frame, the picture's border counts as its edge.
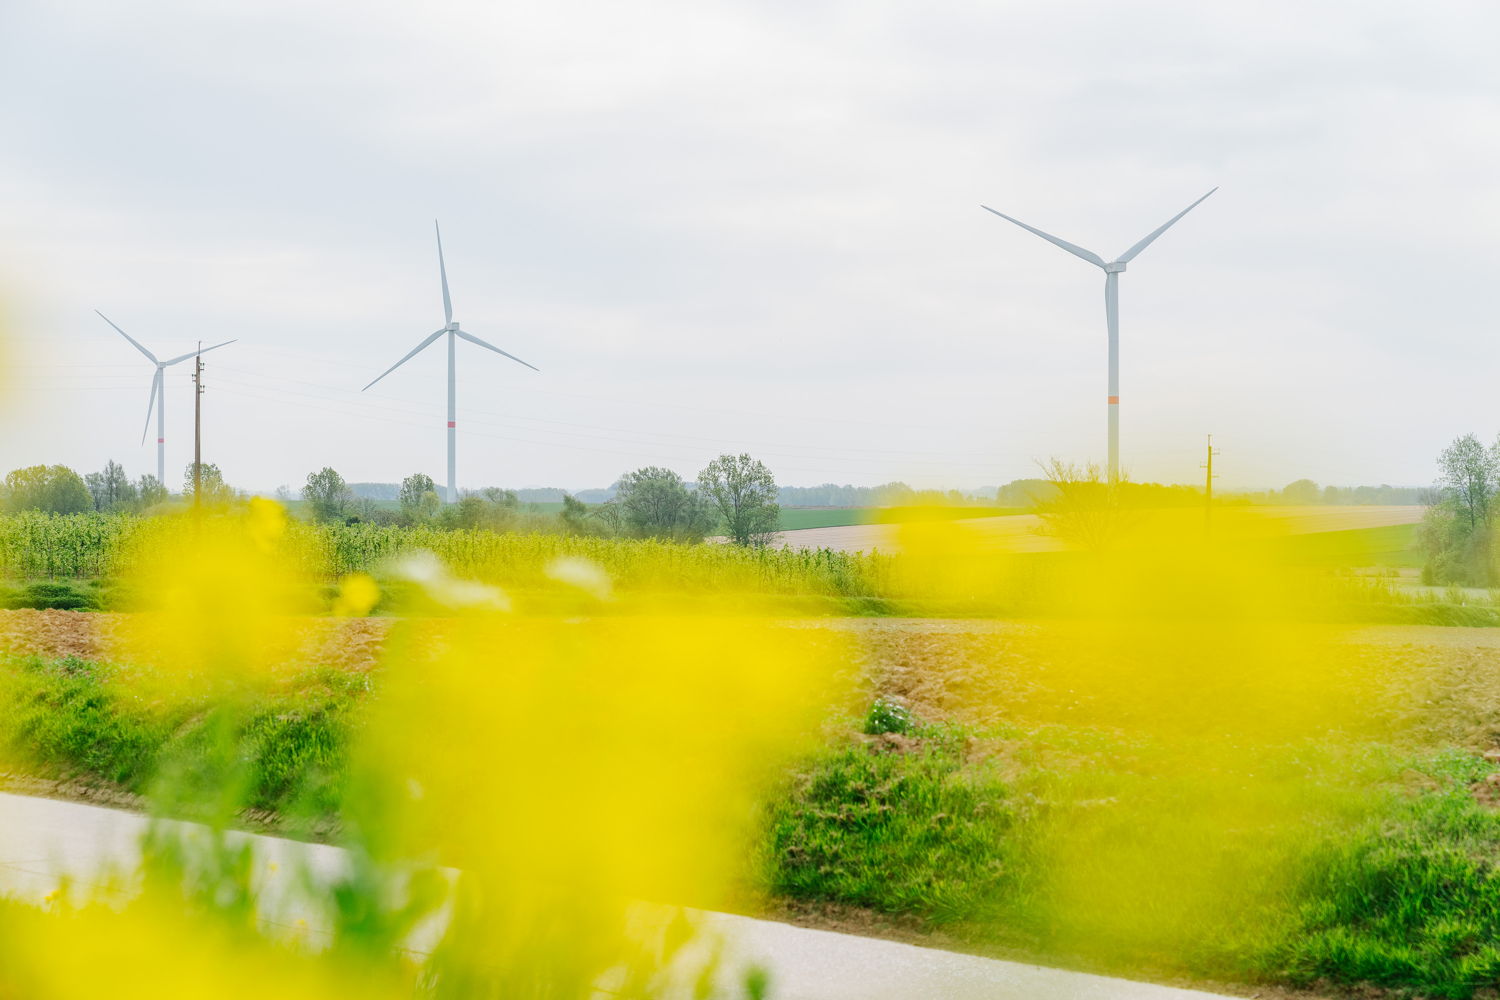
(1414, 684)
(1024, 532)
(1433, 685)
(342, 643)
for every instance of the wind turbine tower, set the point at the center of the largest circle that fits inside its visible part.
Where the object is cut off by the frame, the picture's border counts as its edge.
(158, 395)
(455, 333)
(1112, 271)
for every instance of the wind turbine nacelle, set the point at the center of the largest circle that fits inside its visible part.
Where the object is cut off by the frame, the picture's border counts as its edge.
(1114, 268)
(452, 326)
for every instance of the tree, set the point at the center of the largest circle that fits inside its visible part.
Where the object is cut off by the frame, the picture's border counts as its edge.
(52, 489)
(327, 494)
(1025, 493)
(1301, 492)
(149, 491)
(575, 516)
(415, 489)
(492, 508)
(215, 490)
(501, 498)
(1455, 534)
(111, 489)
(1086, 509)
(1467, 473)
(744, 493)
(656, 503)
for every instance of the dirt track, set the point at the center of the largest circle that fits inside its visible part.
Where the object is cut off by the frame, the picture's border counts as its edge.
(1024, 532)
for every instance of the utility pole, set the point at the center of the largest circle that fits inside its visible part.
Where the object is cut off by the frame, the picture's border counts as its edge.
(198, 427)
(1208, 487)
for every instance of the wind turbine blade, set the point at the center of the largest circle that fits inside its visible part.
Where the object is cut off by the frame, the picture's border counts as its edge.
(1076, 251)
(155, 386)
(128, 337)
(410, 354)
(475, 340)
(1128, 255)
(443, 270)
(189, 354)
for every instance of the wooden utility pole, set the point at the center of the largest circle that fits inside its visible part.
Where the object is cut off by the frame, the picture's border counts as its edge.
(1208, 487)
(198, 427)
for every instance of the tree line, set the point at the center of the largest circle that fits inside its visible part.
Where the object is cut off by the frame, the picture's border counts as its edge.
(735, 494)
(57, 489)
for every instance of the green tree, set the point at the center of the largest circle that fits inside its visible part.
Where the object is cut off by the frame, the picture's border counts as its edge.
(1301, 492)
(656, 503)
(743, 491)
(575, 516)
(327, 494)
(501, 498)
(1456, 532)
(493, 509)
(215, 490)
(111, 489)
(149, 492)
(52, 489)
(413, 498)
(1467, 473)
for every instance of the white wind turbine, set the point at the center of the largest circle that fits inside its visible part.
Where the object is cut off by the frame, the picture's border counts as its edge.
(1112, 271)
(454, 333)
(158, 395)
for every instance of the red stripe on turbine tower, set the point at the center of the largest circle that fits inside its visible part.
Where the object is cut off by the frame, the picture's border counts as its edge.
(161, 440)
(451, 424)
(1114, 399)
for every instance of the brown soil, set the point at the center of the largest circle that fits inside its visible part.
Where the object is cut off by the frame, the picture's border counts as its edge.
(1423, 685)
(352, 644)
(1431, 685)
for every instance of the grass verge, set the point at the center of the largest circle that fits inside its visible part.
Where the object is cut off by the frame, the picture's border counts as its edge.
(1295, 864)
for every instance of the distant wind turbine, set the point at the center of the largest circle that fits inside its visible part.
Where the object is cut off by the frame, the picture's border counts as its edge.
(158, 396)
(454, 333)
(1112, 271)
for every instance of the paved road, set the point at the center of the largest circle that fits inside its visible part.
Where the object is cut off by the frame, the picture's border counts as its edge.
(1023, 532)
(43, 839)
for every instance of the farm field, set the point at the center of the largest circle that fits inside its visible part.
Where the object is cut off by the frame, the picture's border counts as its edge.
(1027, 532)
(804, 518)
(1168, 762)
(937, 817)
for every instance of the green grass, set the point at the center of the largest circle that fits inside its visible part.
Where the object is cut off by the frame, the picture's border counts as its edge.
(799, 518)
(1366, 864)
(1084, 847)
(900, 833)
(1411, 902)
(1392, 546)
(277, 749)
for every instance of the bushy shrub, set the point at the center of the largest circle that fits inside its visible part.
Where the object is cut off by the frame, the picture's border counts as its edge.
(886, 716)
(43, 595)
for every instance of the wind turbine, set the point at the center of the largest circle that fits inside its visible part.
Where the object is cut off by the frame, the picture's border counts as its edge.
(455, 333)
(1112, 270)
(158, 395)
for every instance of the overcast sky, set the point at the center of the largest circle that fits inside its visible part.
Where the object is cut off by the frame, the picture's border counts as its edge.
(752, 227)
